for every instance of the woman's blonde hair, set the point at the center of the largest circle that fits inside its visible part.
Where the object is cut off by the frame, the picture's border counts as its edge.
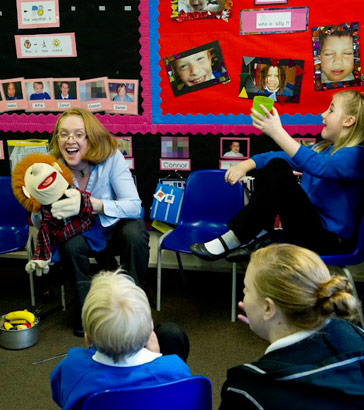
(116, 315)
(101, 144)
(300, 284)
(352, 103)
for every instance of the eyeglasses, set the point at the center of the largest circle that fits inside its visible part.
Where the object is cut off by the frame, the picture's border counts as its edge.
(77, 136)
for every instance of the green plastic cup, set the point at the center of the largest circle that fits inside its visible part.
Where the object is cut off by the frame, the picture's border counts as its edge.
(261, 100)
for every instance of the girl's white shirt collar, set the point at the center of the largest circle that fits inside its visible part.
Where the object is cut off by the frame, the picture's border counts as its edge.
(293, 338)
(141, 357)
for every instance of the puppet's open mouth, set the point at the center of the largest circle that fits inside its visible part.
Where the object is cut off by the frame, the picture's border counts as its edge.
(48, 181)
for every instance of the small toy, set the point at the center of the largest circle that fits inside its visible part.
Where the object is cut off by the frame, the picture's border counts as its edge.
(38, 181)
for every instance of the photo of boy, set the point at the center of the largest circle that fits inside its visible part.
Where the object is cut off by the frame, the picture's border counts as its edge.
(234, 148)
(336, 54)
(39, 93)
(62, 90)
(197, 68)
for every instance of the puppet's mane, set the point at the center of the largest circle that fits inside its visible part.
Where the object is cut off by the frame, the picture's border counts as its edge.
(17, 178)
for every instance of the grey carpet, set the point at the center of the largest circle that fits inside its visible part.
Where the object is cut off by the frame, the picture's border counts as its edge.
(201, 305)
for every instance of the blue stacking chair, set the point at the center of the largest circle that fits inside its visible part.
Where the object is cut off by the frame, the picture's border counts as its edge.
(14, 227)
(194, 393)
(208, 205)
(353, 258)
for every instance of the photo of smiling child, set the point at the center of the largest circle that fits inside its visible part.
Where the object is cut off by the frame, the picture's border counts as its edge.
(336, 56)
(197, 68)
(201, 5)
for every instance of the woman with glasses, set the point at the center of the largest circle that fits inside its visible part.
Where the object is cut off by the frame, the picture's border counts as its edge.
(90, 151)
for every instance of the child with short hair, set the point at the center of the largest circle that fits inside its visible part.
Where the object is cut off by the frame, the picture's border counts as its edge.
(337, 57)
(125, 352)
(39, 93)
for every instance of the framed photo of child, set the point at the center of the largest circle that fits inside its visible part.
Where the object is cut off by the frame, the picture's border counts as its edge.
(123, 96)
(66, 93)
(196, 69)
(336, 56)
(39, 94)
(187, 10)
(125, 146)
(13, 91)
(235, 148)
(94, 94)
(279, 79)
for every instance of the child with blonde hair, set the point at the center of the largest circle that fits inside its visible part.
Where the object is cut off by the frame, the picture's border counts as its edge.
(315, 359)
(125, 350)
(324, 211)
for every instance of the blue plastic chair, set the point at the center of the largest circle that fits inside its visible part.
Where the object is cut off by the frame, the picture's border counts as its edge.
(353, 258)
(194, 393)
(209, 203)
(14, 227)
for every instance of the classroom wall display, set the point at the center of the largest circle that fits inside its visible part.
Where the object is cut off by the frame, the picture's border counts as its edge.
(148, 35)
(94, 94)
(125, 146)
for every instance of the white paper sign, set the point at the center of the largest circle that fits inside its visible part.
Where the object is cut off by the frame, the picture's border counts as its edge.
(38, 13)
(273, 20)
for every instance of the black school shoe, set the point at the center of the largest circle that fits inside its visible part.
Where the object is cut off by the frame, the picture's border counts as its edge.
(199, 249)
(242, 254)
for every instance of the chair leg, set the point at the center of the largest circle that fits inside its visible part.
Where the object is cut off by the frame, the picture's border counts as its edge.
(159, 269)
(159, 277)
(180, 266)
(32, 294)
(233, 293)
(351, 280)
(63, 298)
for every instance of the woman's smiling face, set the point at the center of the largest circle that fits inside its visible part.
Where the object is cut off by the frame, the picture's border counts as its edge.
(73, 148)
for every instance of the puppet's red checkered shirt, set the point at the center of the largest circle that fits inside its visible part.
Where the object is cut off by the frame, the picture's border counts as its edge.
(53, 231)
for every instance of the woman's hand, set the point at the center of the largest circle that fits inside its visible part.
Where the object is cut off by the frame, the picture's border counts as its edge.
(269, 124)
(238, 172)
(241, 317)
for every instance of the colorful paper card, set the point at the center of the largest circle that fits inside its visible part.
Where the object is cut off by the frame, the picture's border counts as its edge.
(123, 96)
(336, 56)
(13, 91)
(37, 14)
(66, 93)
(46, 45)
(277, 20)
(39, 94)
(94, 94)
(265, 2)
